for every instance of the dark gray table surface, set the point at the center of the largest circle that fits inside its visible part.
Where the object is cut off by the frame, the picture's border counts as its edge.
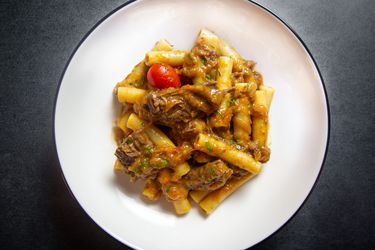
(38, 212)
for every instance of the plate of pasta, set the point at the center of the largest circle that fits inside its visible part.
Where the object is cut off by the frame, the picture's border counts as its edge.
(191, 125)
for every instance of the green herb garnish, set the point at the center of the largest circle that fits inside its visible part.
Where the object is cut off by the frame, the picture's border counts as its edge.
(233, 102)
(137, 169)
(167, 189)
(145, 163)
(148, 150)
(164, 163)
(218, 113)
(129, 141)
(208, 146)
(203, 61)
(209, 77)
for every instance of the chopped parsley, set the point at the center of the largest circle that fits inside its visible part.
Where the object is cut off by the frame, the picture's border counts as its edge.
(218, 113)
(145, 163)
(167, 189)
(129, 141)
(209, 77)
(208, 146)
(203, 61)
(137, 169)
(233, 102)
(148, 150)
(232, 143)
(164, 163)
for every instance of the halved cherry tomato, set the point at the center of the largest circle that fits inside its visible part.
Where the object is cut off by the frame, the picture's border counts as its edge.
(163, 76)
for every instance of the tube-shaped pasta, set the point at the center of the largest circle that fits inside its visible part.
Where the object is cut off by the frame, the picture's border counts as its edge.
(198, 195)
(208, 38)
(269, 91)
(155, 134)
(162, 45)
(224, 151)
(152, 190)
(214, 199)
(173, 58)
(260, 131)
(180, 170)
(223, 116)
(242, 121)
(123, 120)
(247, 88)
(260, 120)
(262, 102)
(182, 206)
(224, 74)
(130, 94)
(227, 50)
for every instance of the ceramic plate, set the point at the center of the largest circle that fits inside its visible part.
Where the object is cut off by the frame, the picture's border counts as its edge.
(85, 110)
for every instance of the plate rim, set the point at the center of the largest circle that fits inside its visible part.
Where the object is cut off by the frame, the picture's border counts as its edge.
(266, 9)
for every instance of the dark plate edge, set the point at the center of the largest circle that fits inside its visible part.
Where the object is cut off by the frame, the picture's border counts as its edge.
(258, 5)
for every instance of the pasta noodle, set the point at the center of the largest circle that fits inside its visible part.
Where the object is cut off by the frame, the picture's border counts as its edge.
(194, 124)
(209, 203)
(130, 94)
(173, 58)
(220, 149)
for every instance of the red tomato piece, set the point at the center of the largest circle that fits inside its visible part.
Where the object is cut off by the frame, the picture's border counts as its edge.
(163, 76)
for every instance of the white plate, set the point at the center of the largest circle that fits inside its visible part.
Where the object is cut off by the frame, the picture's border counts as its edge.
(85, 111)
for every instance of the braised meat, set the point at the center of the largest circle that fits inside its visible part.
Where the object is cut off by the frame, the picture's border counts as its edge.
(210, 176)
(238, 172)
(132, 147)
(171, 106)
(165, 107)
(186, 132)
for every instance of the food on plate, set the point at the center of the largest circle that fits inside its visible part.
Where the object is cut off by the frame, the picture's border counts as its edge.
(193, 123)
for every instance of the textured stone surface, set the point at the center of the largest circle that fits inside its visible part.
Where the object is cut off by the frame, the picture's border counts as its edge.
(36, 209)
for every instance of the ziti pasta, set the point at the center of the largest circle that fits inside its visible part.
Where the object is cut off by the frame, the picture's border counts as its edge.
(193, 123)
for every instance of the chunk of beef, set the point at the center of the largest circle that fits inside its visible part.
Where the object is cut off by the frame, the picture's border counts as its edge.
(238, 172)
(199, 61)
(171, 106)
(132, 147)
(186, 132)
(209, 93)
(210, 177)
(165, 107)
(260, 153)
